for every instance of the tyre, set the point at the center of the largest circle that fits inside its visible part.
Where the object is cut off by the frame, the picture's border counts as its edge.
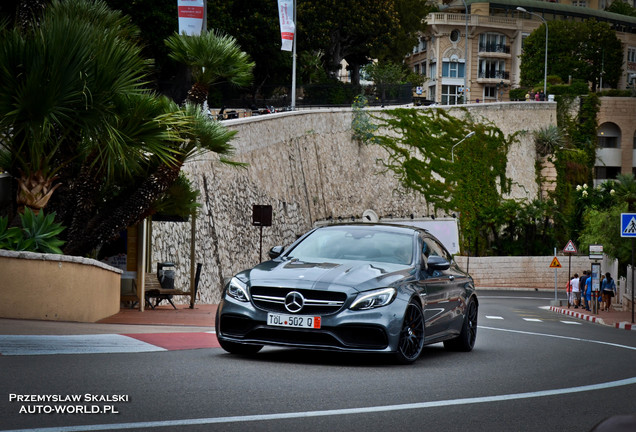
(466, 339)
(239, 348)
(412, 335)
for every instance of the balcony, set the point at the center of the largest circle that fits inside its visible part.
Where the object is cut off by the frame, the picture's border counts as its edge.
(494, 75)
(494, 48)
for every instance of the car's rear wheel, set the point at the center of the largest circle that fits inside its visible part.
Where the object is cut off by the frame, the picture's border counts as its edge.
(412, 335)
(466, 339)
(239, 348)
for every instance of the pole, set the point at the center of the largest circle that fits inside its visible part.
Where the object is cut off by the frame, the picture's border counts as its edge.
(569, 277)
(466, 55)
(555, 280)
(293, 89)
(633, 246)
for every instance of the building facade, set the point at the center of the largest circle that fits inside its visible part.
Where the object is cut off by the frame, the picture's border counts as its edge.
(471, 49)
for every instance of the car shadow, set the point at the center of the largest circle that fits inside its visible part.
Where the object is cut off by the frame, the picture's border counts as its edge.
(337, 358)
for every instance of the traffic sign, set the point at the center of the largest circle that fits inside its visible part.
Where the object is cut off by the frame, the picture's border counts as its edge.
(628, 224)
(569, 248)
(555, 263)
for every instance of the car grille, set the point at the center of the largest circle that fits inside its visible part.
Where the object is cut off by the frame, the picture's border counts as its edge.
(272, 299)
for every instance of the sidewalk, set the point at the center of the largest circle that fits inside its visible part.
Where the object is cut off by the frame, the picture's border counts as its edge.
(621, 319)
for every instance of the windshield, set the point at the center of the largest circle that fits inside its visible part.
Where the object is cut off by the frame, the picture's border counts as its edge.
(355, 243)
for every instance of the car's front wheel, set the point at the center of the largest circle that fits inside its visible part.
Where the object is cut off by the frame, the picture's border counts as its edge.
(239, 348)
(412, 335)
(466, 339)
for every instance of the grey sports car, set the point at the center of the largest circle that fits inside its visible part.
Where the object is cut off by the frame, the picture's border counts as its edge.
(378, 288)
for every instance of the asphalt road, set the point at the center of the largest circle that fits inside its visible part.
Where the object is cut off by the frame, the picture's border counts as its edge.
(531, 370)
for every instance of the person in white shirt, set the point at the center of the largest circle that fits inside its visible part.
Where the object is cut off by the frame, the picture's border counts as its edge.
(576, 291)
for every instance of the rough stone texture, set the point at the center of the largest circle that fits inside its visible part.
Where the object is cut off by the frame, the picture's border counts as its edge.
(307, 167)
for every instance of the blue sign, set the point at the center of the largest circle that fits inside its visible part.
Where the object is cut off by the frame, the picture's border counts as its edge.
(628, 224)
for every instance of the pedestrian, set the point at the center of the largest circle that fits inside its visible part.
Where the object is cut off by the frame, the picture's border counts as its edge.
(527, 96)
(588, 292)
(609, 290)
(541, 96)
(568, 290)
(536, 97)
(582, 281)
(576, 293)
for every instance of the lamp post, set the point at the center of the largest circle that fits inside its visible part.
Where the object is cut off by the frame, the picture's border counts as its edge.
(545, 61)
(466, 55)
(461, 141)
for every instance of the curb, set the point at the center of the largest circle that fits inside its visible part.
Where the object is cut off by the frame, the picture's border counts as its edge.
(620, 325)
(579, 315)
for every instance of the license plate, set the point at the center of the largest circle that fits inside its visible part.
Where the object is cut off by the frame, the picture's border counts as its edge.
(297, 321)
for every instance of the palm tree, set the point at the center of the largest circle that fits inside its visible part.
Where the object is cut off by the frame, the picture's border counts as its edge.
(625, 190)
(212, 58)
(80, 131)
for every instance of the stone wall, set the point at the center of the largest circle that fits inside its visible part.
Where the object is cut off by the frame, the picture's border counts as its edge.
(307, 167)
(528, 272)
(57, 287)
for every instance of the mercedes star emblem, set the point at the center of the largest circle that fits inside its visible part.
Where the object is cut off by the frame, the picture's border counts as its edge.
(294, 301)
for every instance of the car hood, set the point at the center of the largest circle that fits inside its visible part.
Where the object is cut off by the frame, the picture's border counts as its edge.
(337, 275)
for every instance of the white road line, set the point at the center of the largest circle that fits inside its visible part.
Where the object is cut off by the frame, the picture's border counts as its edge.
(361, 410)
(572, 322)
(494, 317)
(72, 344)
(532, 319)
(335, 412)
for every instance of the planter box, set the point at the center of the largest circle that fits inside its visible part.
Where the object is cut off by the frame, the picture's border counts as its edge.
(57, 287)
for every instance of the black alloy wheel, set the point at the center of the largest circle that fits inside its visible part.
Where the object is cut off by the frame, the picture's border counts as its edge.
(412, 335)
(466, 339)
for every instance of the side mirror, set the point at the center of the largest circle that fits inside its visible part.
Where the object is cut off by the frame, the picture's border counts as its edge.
(275, 252)
(437, 263)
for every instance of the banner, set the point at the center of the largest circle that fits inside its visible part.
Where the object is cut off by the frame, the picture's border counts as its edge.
(287, 25)
(191, 16)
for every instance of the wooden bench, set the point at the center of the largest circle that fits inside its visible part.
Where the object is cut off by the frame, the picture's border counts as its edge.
(153, 290)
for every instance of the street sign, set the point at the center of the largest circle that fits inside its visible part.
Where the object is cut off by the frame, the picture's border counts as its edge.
(628, 224)
(596, 252)
(569, 248)
(555, 263)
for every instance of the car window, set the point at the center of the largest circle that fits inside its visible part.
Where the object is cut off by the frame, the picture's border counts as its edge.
(431, 247)
(355, 243)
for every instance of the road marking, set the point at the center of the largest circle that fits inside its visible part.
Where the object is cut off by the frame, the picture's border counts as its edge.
(572, 322)
(361, 410)
(532, 319)
(335, 412)
(494, 317)
(72, 344)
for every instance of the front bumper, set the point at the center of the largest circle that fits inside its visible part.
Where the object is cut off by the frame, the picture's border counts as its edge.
(375, 330)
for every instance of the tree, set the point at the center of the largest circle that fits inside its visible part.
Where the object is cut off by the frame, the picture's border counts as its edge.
(75, 114)
(468, 179)
(358, 31)
(587, 50)
(621, 7)
(212, 57)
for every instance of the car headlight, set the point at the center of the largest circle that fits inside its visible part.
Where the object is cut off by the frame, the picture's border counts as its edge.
(374, 299)
(238, 290)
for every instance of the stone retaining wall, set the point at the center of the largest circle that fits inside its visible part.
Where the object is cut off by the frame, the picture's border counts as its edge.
(306, 165)
(57, 287)
(528, 272)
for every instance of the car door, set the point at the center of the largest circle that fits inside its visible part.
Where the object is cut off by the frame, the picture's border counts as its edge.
(433, 286)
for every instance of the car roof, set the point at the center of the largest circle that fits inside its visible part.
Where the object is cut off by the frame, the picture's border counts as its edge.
(387, 227)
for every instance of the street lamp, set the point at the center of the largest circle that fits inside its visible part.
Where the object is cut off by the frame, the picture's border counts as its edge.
(545, 68)
(461, 141)
(466, 55)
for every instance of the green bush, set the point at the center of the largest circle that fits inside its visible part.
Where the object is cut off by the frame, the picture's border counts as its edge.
(38, 233)
(518, 94)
